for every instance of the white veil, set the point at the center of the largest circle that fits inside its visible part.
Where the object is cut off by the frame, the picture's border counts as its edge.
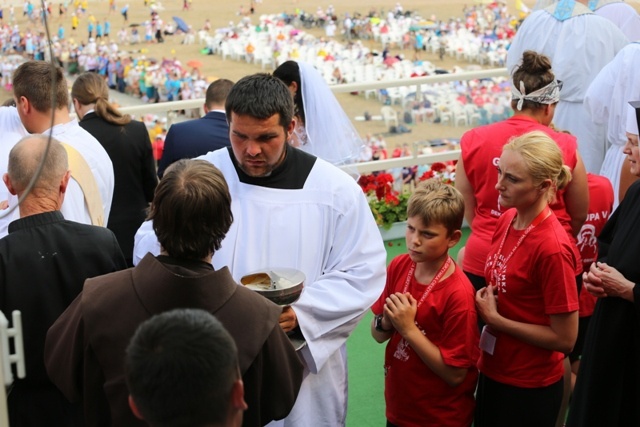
(330, 134)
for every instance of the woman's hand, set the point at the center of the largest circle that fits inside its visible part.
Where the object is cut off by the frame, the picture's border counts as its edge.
(401, 310)
(487, 304)
(602, 280)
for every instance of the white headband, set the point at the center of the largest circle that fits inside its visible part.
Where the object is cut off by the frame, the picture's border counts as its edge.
(550, 94)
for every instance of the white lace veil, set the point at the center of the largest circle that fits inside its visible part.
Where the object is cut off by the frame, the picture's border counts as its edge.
(330, 134)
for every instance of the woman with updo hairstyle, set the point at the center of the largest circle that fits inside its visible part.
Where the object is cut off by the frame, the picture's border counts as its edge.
(530, 303)
(127, 143)
(322, 127)
(535, 93)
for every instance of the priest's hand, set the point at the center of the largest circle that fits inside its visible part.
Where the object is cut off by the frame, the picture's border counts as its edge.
(288, 319)
(4, 204)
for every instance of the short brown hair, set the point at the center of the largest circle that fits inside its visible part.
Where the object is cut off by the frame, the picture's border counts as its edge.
(435, 202)
(191, 210)
(32, 80)
(217, 92)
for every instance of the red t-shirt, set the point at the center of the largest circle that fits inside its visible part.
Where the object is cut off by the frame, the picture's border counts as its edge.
(600, 206)
(415, 395)
(481, 149)
(158, 148)
(539, 281)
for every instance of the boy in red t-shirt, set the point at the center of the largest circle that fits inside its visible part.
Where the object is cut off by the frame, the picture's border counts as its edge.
(427, 313)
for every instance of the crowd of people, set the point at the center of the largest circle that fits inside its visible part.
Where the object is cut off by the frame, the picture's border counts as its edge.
(117, 55)
(274, 40)
(277, 39)
(542, 303)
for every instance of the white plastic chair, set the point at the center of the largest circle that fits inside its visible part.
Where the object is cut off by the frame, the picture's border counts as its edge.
(389, 115)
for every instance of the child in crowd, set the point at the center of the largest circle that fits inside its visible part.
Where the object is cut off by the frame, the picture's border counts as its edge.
(427, 313)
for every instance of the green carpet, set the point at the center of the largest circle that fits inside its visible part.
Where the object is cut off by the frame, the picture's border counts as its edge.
(366, 359)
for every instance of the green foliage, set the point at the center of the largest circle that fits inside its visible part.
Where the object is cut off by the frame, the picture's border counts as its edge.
(389, 210)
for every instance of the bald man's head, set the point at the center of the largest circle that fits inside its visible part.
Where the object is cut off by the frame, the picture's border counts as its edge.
(25, 157)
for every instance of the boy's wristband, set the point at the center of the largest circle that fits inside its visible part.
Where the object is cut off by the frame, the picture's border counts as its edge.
(377, 324)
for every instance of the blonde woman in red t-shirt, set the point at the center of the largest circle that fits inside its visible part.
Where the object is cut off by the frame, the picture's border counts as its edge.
(530, 305)
(535, 95)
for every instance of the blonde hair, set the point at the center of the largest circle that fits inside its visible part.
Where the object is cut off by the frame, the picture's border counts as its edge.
(435, 202)
(90, 88)
(543, 160)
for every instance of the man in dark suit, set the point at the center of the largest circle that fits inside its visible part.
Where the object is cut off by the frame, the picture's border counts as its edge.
(44, 261)
(194, 138)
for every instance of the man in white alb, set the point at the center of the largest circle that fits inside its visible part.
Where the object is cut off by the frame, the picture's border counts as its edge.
(291, 209)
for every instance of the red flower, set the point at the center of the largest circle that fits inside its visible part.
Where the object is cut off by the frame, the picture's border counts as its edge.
(391, 199)
(427, 175)
(438, 167)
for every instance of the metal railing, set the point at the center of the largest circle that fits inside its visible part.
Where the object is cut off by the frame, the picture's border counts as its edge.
(365, 167)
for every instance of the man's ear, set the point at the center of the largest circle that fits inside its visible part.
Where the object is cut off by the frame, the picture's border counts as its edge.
(237, 396)
(9, 185)
(64, 182)
(134, 408)
(291, 128)
(23, 104)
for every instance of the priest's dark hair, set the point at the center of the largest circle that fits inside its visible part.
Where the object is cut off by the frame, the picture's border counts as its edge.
(32, 80)
(191, 209)
(260, 96)
(181, 367)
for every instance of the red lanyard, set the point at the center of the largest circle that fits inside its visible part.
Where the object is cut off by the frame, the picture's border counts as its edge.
(430, 286)
(496, 272)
